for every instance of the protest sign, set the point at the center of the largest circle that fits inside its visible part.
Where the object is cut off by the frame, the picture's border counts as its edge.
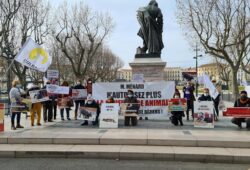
(130, 109)
(79, 94)
(152, 96)
(38, 96)
(203, 114)
(65, 102)
(53, 76)
(2, 110)
(109, 115)
(138, 78)
(177, 105)
(88, 113)
(55, 89)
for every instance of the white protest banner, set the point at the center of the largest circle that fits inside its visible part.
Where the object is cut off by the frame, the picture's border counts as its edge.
(208, 84)
(88, 113)
(55, 89)
(138, 78)
(79, 94)
(109, 115)
(38, 96)
(203, 114)
(153, 96)
(34, 56)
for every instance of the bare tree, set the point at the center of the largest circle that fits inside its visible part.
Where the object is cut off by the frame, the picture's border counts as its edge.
(222, 27)
(29, 20)
(224, 71)
(105, 65)
(81, 33)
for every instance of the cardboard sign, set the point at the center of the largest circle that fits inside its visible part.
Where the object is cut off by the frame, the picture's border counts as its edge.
(55, 89)
(138, 78)
(53, 76)
(64, 102)
(130, 109)
(203, 114)
(109, 115)
(88, 113)
(38, 96)
(79, 94)
(2, 110)
(177, 105)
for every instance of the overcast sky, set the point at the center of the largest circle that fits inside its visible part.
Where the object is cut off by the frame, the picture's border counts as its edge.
(124, 40)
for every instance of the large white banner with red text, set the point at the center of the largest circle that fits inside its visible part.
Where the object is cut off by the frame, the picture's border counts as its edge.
(153, 96)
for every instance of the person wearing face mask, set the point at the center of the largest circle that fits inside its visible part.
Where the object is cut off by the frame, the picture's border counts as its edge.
(15, 98)
(90, 102)
(243, 101)
(188, 93)
(176, 117)
(130, 98)
(205, 96)
(47, 108)
(80, 102)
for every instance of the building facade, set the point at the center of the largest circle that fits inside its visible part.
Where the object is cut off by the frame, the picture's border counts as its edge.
(173, 74)
(124, 74)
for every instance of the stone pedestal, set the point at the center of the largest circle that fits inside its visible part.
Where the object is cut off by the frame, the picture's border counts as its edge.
(151, 68)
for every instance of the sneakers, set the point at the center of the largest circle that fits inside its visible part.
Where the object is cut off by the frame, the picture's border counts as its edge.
(68, 118)
(13, 128)
(84, 123)
(39, 124)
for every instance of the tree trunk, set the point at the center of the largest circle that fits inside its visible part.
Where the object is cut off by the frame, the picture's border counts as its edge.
(235, 84)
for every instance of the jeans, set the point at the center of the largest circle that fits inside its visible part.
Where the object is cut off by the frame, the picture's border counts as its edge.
(13, 115)
(62, 112)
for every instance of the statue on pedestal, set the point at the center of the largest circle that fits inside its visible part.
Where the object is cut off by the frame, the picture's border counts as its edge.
(150, 19)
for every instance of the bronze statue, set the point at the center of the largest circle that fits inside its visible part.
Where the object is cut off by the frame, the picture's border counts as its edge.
(150, 19)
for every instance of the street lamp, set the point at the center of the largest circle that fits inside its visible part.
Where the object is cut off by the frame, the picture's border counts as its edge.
(196, 69)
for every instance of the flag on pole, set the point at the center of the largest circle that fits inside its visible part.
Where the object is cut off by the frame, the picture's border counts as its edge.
(34, 56)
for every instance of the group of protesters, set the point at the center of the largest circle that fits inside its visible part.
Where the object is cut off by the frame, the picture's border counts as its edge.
(50, 106)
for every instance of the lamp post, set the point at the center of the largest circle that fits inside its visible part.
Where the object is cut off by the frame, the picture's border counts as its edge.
(196, 68)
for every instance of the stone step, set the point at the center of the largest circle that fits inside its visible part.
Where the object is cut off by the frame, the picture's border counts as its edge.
(76, 139)
(128, 152)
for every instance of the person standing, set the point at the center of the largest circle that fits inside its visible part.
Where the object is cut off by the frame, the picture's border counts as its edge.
(69, 103)
(47, 108)
(188, 93)
(15, 98)
(217, 99)
(205, 96)
(243, 101)
(79, 102)
(35, 108)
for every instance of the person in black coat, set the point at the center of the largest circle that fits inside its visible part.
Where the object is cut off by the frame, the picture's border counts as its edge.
(80, 102)
(90, 102)
(243, 101)
(205, 96)
(47, 108)
(176, 117)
